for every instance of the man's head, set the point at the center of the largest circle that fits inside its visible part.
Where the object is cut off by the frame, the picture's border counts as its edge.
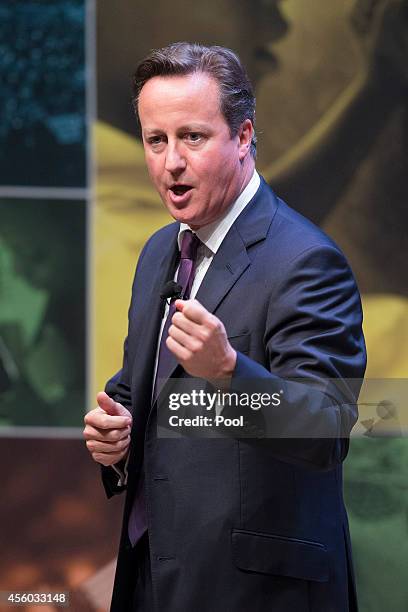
(196, 110)
(237, 100)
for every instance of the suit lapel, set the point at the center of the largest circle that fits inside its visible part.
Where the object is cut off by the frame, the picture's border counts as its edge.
(233, 256)
(230, 261)
(162, 270)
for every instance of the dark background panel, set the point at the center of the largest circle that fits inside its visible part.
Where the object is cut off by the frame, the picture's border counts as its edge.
(42, 313)
(57, 529)
(42, 93)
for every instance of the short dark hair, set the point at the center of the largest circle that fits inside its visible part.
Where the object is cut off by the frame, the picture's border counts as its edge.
(183, 58)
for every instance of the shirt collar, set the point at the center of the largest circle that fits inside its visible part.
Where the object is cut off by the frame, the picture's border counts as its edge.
(214, 233)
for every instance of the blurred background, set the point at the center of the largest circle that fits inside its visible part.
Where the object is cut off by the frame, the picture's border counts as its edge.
(76, 206)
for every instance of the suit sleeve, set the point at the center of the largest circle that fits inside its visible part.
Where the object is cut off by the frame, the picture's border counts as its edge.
(313, 334)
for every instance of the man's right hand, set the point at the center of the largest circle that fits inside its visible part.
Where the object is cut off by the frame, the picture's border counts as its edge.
(107, 430)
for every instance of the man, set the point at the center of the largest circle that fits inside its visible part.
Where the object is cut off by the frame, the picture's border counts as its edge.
(232, 523)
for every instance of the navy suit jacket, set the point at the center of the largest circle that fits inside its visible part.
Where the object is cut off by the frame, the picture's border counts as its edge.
(239, 524)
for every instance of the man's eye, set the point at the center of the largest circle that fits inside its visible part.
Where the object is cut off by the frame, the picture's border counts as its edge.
(194, 137)
(155, 140)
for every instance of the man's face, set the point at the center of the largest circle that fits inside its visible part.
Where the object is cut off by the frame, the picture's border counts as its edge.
(194, 163)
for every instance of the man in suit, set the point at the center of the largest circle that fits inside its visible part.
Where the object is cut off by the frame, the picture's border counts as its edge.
(247, 521)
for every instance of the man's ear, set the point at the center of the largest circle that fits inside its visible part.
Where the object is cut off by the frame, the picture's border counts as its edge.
(245, 133)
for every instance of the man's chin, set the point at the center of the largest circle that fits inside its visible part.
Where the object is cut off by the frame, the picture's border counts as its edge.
(185, 215)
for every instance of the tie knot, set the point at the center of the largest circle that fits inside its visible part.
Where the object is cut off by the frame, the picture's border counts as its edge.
(189, 245)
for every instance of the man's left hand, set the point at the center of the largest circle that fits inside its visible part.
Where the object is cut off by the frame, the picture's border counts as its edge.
(199, 342)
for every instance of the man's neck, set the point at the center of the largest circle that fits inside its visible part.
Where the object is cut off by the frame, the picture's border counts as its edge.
(248, 168)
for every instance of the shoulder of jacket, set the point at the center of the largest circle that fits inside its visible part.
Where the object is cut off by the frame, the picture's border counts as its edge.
(302, 234)
(162, 236)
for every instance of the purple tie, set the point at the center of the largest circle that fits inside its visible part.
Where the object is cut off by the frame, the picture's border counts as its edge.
(185, 276)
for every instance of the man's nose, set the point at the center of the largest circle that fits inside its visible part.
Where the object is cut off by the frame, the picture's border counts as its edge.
(175, 160)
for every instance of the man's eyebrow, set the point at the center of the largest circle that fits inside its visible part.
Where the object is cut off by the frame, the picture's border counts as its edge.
(190, 127)
(194, 127)
(150, 131)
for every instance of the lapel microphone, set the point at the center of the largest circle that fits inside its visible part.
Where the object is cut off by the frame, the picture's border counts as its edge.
(171, 291)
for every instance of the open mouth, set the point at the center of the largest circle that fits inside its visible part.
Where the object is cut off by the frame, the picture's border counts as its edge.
(180, 190)
(180, 194)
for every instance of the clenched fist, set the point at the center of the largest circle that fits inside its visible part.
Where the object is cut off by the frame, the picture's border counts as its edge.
(107, 430)
(199, 342)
